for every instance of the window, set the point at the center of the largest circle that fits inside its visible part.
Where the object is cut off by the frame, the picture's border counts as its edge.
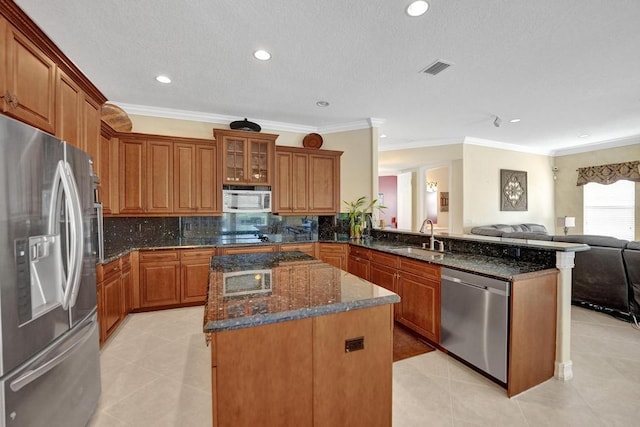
(609, 209)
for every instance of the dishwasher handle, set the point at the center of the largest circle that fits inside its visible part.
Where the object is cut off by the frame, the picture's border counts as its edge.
(476, 286)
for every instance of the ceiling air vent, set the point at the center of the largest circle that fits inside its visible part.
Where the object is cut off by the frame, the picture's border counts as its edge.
(436, 68)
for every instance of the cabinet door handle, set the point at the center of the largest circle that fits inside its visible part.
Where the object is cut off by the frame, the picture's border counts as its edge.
(11, 100)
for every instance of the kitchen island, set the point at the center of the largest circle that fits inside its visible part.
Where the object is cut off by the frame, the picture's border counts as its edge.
(295, 341)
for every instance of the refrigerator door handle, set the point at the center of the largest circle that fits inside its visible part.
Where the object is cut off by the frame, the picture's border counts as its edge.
(76, 234)
(45, 363)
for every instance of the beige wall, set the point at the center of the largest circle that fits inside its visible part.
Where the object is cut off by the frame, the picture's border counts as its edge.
(481, 184)
(568, 196)
(356, 169)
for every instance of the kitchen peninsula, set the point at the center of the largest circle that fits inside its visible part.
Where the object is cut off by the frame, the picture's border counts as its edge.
(295, 341)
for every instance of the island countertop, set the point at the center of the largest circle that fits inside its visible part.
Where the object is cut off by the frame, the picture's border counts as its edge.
(264, 288)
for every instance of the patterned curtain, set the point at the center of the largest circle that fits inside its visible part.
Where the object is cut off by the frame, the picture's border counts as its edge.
(608, 174)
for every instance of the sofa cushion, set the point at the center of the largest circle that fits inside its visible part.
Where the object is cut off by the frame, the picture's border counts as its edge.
(635, 245)
(526, 235)
(498, 230)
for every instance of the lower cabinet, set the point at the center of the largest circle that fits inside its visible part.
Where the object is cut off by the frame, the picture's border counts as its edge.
(194, 267)
(236, 250)
(114, 285)
(419, 290)
(311, 379)
(334, 254)
(307, 248)
(417, 283)
(174, 277)
(359, 263)
(159, 278)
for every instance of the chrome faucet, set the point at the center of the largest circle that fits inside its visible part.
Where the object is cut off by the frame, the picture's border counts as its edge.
(432, 239)
(424, 223)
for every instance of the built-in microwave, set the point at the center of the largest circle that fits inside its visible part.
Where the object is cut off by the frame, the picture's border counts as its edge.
(256, 199)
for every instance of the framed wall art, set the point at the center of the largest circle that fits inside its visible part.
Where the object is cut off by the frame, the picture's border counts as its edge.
(513, 190)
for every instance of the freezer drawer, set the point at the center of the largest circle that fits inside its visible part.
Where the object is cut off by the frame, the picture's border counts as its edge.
(59, 387)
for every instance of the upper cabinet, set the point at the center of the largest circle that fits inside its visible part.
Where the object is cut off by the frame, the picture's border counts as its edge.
(146, 176)
(29, 80)
(161, 175)
(307, 181)
(40, 86)
(247, 158)
(195, 188)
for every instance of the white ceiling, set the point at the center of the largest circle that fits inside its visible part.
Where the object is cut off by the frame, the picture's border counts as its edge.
(565, 67)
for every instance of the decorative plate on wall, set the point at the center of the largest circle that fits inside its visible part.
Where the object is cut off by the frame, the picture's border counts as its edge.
(313, 140)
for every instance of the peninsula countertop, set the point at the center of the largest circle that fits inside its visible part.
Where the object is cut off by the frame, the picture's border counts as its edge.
(259, 289)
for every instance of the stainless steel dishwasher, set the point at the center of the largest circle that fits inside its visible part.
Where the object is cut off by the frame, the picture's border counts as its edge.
(475, 319)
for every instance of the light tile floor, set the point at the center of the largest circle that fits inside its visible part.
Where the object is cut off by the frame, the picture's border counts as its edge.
(155, 372)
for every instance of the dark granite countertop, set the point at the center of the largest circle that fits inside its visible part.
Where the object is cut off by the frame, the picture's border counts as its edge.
(502, 268)
(276, 287)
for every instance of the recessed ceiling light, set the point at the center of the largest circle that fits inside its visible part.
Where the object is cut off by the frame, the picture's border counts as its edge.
(584, 135)
(163, 79)
(383, 136)
(322, 104)
(417, 8)
(262, 55)
(514, 120)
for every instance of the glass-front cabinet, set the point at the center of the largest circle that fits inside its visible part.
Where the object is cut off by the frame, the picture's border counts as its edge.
(247, 157)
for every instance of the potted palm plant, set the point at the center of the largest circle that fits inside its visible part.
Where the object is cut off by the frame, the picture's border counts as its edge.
(358, 209)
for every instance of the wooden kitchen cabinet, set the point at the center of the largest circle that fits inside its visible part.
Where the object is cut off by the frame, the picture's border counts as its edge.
(40, 86)
(163, 176)
(247, 158)
(77, 117)
(195, 186)
(312, 383)
(308, 248)
(145, 177)
(334, 253)
(69, 99)
(114, 285)
(359, 263)
(159, 177)
(292, 181)
(194, 267)
(131, 176)
(419, 289)
(235, 250)
(107, 170)
(324, 182)
(27, 81)
(159, 278)
(173, 277)
(308, 181)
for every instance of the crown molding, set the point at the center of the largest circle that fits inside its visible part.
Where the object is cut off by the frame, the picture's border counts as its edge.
(390, 145)
(345, 127)
(171, 113)
(505, 146)
(602, 145)
(375, 122)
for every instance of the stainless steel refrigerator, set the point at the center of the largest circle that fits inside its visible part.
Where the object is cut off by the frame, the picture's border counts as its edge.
(49, 360)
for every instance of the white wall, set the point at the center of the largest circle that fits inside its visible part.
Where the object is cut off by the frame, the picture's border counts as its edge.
(481, 183)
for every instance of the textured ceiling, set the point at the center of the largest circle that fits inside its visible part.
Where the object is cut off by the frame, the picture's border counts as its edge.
(565, 67)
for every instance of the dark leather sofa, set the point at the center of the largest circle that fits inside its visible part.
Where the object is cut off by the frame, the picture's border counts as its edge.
(605, 278)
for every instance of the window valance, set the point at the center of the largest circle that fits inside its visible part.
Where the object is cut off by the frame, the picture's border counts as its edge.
(608, 174)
